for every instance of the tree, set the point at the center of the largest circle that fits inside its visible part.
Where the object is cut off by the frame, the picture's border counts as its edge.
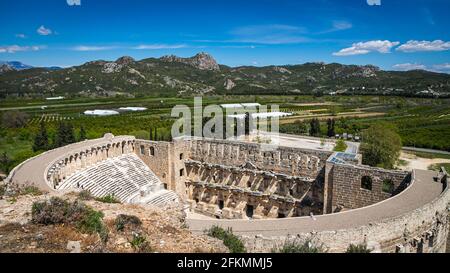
(14, 119)
(65, 135)
(315, 127)
(302, 129)
(380, 146)
(330, 125)
(41, 139)
(340, 146)
(5, 162)
(82, 134)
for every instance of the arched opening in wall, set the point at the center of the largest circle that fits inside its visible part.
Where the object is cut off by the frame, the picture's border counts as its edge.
(366, 183)
(181, 156)
(196, 200)
(221, 204)
(249, 184)
(152, 151)
(420, 247)
(165, 186)
(388, 186)
(249, 210)
(181, 172)
(142, 150)
(291, 192)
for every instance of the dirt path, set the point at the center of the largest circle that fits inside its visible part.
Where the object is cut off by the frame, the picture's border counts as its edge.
(420, 163)
(327, 116)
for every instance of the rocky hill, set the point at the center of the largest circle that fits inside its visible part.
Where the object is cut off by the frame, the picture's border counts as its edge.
(201, 75)
(46, 223)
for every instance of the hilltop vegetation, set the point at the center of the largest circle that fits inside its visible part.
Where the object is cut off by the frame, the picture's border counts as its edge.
(50, 223)
(201, 75)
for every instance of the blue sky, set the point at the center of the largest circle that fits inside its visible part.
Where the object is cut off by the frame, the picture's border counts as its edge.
(398, 34)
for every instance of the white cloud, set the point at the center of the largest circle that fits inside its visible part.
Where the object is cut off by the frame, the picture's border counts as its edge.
(338, 26)
(442, 67)
(158, 46)
(268, 34)
(44, 31)
(16, 48)
(341, 25)
(21, 35)
(438, 68)
(417, 46)
(367, 47)
(74, 2)
(92, 48)
(409, 66)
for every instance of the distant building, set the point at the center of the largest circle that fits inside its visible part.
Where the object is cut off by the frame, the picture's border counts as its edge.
(133, 109)
(101, 113)
(55, 98)
(262, 115)
(240, 105)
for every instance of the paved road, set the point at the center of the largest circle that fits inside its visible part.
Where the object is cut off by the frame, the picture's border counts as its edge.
(421, 192)
(425, 150)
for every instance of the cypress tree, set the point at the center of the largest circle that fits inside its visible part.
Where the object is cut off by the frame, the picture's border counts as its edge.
(331, 126)
(82, 134)
(70, 134)
(60, 136)
(41, 139)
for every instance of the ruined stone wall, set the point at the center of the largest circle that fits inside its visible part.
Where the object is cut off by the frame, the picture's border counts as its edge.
(156, 156)
(423, 230)
(344, 185)
(166, 160)
(235, 192)
(290, 161)
(180, 152)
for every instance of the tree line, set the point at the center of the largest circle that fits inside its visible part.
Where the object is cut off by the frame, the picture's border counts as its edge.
(65, 135)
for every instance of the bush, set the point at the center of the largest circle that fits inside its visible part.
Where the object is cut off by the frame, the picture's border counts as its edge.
(140, 244)
(297, 246)
(2, 190)
(230, 240)
(110, 199)
(85, 195)
(91, 222)
(54, 211)
(123, 221)
(31, 190)
(340, 146)
(361, 248)
(59, 211)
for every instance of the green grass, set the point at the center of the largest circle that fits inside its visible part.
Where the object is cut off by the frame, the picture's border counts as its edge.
(110, 199)
(31, 190)
(429, 155)
(437, 167)
(361, 248)
(230, 240)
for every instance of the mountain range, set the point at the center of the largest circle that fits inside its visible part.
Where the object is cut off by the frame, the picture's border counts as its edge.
(202, 75)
